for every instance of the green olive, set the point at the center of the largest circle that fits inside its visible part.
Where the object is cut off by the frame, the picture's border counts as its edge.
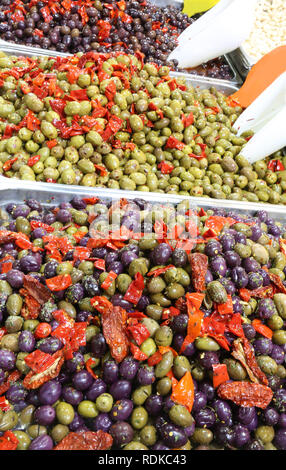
(65, 413)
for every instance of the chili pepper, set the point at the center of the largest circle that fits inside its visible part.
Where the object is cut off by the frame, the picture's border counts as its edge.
(275, 165)
(139, 333)
(159, 271)
(137, 353)
(86, 440)
(220, 374)
(243, 352)
(261, 328)
(43, 330)
(88, 365)
(183, 392)
(8, 441)
(43, 371)
(58, 283)
(135, 289)
(172, 143)
(155, 359)
(199, 266)
(108, 281)
(246, 393)
(114, 326)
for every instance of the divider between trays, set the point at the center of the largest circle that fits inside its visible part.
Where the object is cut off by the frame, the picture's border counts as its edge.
(34, 189)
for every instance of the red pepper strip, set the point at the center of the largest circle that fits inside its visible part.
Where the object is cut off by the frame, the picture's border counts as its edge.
(90, 200)
(139, 332)
(51, 143)
(277, 282)
(78, 236)
(275, 165)
(79, 95)
(108, 281)
(135, 289)
(81, 253)
(9, 163)
(169, 313)
(210, 233)
(6, 267)
(36, 224)
(100, 264)
(8, 441)
(188, 120)
(33, 160)
(88, 365)
(4, 404)
(234, 325)
(166, 168)
(155, 359)
(195, 320)
(101, 304)
(159, 271)
(216, 223)
(136, 314)
(245, 294)
(194, 300)
(227, 307)
(58, 283)
(220, 374)
(183, 392)
(246, 393)
(165, 349)
(38, 361)
(137, 353)
(173, 143)
(192, 228)
(261, 328)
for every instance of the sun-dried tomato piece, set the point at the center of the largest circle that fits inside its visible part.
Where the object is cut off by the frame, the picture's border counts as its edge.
(246, 393)
(87, 440)
(36, 379)
(31, 308)
(37, 290)
(199, 266)
(114, 326)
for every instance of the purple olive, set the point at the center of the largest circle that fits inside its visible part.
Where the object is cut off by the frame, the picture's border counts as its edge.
(26, 341)
(50, 392)
(173, 436)
(98, 345)
(266, 308)
(128, 368)
(270, 416)
(72, 395)
(82, 380)
(161, 254)
(43, 442)
(205, 418)
(218, 266)
(154, 404)
(207, 359)
(146, 375)
(213, 248)
(122, 433)
(16, 393)
(45, 415)
(102, 422)
(120, 389)
(200, 401)
(121, 410)
(223, 411)
(110, 372)
(97, 388)
(15, 278)
(7, 359)
(280, 439)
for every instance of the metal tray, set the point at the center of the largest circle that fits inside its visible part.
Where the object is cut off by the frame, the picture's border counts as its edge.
(242, 61)
(16, 191)
(19, 50)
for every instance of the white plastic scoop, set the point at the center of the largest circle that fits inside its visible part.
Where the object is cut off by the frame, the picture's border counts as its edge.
(266, 116)
(219, 31)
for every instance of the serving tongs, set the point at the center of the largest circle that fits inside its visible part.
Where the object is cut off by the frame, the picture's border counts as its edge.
(219, 31)
(264, 96)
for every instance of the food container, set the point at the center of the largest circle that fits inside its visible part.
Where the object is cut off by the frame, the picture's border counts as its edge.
(14, 191)
(242, 61)
(203, 82)
(19, 50)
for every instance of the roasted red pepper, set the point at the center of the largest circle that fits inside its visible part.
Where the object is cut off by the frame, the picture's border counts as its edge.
(137, 353)
(220, 374)
(262, 329)
(58, 283)
(173, 143)
(183, 392)
(8, 441)
(114, 327)
(109, 280)
(166, 168)
(44, 368)
(139, 333)
(135, 289)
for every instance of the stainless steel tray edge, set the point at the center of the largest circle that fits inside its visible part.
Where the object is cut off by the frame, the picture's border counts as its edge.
(25, 51)
(49, 190)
